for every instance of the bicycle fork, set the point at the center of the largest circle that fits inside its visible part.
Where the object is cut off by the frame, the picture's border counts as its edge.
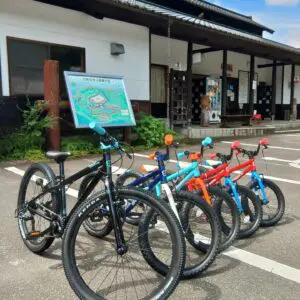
(121, 246)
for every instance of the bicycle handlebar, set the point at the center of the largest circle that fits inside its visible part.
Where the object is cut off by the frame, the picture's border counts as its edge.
(107, 139)
(225, 157)
(252, 154)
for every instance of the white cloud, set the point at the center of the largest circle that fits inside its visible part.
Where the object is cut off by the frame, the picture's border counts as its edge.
(282, 2)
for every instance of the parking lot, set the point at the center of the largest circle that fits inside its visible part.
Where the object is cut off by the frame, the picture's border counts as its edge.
(265, 266)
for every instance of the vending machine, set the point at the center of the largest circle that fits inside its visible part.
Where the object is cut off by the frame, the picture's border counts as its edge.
(214, 91)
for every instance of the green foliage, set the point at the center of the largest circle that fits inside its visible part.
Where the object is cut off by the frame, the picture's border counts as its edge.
(34, 123)
(16, 145)
(80, 145)
(28, 141)
(151, 131)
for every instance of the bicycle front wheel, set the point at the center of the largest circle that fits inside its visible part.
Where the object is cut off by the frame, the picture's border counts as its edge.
(202, 232)
(274, 209)
(252, 212)
(95, 270)
(228, 214)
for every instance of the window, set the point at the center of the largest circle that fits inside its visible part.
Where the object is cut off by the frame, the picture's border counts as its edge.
(26, 62)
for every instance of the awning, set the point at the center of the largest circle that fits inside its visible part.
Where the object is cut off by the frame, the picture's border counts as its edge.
(184, 27)
(228, 13)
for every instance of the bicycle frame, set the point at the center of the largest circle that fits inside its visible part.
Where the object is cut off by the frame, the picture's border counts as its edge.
(250, 167)
(190, 172)
(103, 167)
(59, 188)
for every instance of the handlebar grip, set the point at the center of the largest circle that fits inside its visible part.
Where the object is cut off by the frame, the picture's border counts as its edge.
(97, 128)
(128, 155)
(207, 142)
(181, 155)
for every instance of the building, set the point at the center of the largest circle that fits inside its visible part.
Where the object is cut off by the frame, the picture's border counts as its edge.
(190, 39)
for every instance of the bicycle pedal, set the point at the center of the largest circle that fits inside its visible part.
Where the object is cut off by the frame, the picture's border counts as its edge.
(33, 235)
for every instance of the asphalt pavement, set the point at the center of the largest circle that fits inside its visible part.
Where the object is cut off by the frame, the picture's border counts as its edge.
(265, 266)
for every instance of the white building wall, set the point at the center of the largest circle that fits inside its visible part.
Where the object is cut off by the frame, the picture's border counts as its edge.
(297, 85)
(287, 85)
(169, 52)
(32, 20)
(211, 65)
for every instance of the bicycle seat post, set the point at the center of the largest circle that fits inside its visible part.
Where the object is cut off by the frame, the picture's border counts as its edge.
(62, 188)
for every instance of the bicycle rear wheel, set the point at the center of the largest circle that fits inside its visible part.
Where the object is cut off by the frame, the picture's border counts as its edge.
(95, 270)
(99, 224)
(30, 224)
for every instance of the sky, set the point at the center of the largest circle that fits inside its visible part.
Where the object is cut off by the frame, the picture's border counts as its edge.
(283, 16)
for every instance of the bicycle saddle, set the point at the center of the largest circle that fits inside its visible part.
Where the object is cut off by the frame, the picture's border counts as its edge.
(58, 156)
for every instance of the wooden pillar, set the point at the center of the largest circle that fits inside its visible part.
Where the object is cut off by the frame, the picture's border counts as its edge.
(190, 75)
(51, 90)
(274, 80)
(127, 135)
(251, 90)
(292, 87)
(224, 84)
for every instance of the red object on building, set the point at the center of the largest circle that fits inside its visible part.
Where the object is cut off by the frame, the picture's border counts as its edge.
(256, 117)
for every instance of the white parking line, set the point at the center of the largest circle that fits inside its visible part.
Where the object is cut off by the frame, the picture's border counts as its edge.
(69, 191)
(265, 264)
(276, 159)
(271, 147)
(249, 258)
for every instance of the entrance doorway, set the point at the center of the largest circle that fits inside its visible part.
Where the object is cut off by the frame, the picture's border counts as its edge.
(158, 91)
(232, 96)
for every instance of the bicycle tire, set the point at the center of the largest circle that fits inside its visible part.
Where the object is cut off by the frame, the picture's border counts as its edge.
(130, 174)
(246, 192)
(190, 201)
(266, 222)
(49, 175)
(88, 225)
(229, 232)
(170, 281)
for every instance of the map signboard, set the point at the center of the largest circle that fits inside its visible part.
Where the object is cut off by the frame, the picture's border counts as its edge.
(98, 98)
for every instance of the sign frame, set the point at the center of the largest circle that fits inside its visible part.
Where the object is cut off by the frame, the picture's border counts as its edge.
(67, 74)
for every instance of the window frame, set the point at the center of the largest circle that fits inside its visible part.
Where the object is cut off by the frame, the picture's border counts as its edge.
(48, 44)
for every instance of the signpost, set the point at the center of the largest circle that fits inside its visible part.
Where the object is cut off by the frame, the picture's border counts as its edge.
(99, 98)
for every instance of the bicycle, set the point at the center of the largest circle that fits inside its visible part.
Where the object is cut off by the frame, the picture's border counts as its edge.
(260, 185)
(192, 212)
(50, 205)
(243, 195)
(214, 196)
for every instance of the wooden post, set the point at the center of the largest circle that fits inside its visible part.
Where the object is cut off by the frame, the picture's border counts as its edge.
(274, 80)
(224, 84)
(51, 91)
(190, 74)
(251, 91)
(127, 135)
(292, 87)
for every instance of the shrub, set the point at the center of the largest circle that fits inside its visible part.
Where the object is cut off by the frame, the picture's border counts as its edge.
(80, 145)
(28, 141)
(151, 131)
(34, 123)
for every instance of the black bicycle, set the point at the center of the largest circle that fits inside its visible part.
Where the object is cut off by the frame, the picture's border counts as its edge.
(100, 268)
